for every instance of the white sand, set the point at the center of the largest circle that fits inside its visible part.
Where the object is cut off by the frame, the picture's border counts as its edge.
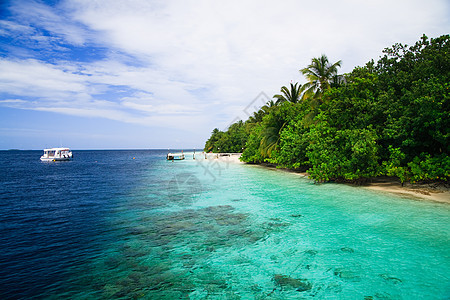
(422, 192)
(417, 191)
(388, 185)
(226, 157)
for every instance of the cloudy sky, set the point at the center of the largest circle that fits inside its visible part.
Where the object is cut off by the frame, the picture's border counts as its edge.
(102, 74)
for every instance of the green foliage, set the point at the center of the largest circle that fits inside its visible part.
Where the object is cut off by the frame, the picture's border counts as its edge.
(414, 82)
(213, 141)
(393, 166)
(233, 140)
(430, 168)
(251, 153)
(259, 115)
(353, 105)
(343, 155)
(271, 125)
(291, 152)
(264, 136)
(289, 95)
(389, 117)
(320, 75)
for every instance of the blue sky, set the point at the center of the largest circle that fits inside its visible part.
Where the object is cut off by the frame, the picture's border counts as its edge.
(122, 74)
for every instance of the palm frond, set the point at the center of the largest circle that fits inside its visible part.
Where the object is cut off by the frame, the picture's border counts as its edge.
(270, 136)
(289, 95)
(319, 74)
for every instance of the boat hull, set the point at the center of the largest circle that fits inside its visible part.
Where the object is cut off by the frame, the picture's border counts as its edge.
(172, 156)
(55, 158)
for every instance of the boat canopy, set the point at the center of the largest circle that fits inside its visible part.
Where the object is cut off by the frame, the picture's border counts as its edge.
(57, 149)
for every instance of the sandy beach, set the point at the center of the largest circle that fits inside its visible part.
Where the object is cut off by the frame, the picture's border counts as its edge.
(226, 157)
(427, 192)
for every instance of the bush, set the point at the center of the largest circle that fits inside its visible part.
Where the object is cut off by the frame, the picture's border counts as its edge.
(343, 155)
(430, 168)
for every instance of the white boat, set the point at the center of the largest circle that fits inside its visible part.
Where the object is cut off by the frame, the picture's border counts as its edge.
(57, 154)
(175, 156)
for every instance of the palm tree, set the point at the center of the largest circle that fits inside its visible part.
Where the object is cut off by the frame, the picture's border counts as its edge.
(273, 124)
(270, 103)
(292, 95)
(258, 115)
(320, 75)
(270, 136)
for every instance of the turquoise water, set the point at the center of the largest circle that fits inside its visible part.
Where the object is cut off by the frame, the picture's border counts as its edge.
(199, 229)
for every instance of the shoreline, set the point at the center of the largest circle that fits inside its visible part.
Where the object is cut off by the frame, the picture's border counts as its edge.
(392, 185)
(421, 192)
(227, 157)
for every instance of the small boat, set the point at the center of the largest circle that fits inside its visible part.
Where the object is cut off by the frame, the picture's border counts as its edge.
(57, 154)
(175, 156)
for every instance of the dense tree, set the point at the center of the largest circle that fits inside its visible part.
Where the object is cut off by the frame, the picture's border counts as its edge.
(416, 81)
(389, 117)
(252, 153)
(212, 142)
(233, 140)
(292, 147)
(349, 154)
(320, 75)
(289, 95)
(270, 130)
(260, 113)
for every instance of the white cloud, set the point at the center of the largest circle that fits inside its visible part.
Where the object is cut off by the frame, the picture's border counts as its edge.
(240, 48)
(34, 78)
(9, 28)
(78, 90)
(52, 19)
(197, 63)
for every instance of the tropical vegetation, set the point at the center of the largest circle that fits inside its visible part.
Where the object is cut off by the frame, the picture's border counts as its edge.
(389, 117)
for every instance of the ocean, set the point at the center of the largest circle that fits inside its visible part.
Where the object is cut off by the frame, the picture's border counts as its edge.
(128, 224)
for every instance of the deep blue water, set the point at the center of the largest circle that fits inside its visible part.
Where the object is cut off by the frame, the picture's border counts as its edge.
(53, 215)
(129, 224)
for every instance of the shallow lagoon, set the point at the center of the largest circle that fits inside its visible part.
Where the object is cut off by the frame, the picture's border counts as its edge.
(199, 229)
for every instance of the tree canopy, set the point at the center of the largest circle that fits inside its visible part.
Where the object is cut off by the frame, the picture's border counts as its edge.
(389, 117)
(320, 75)
(289, 95)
